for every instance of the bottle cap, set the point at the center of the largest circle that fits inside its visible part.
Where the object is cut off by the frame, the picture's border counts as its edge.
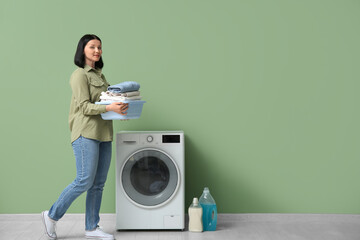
(206, 189)
(195, 201)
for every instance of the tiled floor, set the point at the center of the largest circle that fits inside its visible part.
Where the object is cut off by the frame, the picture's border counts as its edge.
(230, 227)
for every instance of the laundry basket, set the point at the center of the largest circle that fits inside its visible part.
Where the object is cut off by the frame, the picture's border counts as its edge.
(133, 112)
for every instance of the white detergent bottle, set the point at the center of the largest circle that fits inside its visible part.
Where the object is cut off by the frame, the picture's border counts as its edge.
(195, 216)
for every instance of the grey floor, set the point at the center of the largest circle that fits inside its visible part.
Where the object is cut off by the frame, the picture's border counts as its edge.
(230, 226)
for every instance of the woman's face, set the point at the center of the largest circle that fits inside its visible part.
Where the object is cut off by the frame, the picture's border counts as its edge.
(92, 51)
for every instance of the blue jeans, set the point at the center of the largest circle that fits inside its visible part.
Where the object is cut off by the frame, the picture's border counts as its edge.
(92, 165)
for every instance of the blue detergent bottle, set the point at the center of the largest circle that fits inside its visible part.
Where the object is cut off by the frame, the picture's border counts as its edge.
(208, 204)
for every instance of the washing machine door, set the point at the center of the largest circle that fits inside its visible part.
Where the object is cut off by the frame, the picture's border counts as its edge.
(150, 178)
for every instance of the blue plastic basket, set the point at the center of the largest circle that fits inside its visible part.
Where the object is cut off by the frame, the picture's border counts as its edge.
(133, 112)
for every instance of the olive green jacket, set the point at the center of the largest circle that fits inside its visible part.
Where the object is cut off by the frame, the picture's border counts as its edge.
(84, 117)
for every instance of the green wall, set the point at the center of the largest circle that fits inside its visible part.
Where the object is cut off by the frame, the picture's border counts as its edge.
(267, 93)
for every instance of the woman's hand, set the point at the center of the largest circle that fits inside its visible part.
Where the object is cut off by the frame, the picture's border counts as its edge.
(118, 107)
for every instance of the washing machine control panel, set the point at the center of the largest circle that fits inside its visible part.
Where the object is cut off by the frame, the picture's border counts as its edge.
(157, 139)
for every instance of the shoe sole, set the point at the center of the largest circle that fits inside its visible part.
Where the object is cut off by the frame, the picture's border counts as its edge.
(43, 220)
(102, 238)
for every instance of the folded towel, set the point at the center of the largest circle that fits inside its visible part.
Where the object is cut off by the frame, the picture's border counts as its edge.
(128, 86)
(130, 94)
(106, 98)
(125, 94)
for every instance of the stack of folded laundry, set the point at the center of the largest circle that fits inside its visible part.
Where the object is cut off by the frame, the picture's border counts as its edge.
(121, 92)
(127, 92)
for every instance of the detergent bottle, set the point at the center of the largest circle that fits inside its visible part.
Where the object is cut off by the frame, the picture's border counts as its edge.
(195, 216)
(208, 205)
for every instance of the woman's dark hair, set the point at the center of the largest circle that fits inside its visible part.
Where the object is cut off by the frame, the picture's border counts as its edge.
(79, 58)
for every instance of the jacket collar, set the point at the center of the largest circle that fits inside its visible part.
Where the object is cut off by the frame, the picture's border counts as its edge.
(87, 68)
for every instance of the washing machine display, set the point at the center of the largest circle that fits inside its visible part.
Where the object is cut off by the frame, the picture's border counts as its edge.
(150, 177)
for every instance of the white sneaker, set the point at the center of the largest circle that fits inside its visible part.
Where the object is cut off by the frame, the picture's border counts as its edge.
(98, 233)
(49, 224)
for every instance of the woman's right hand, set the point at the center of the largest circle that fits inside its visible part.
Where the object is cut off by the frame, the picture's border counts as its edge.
(118, 107)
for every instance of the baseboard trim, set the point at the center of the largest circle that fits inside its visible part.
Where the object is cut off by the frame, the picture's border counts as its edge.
(283, 217)
(223, 217)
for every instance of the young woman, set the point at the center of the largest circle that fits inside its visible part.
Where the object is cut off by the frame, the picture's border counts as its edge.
(91, 138)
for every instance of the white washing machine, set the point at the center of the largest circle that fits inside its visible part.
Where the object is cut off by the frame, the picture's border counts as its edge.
(150, 185)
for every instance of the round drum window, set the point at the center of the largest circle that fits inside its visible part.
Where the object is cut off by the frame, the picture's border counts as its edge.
(149, 177)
